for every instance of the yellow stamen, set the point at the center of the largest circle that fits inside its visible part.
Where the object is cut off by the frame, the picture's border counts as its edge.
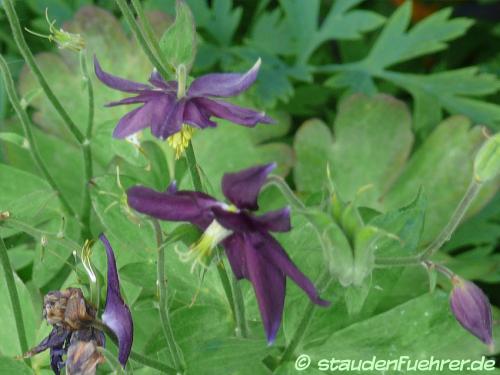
(180, 140)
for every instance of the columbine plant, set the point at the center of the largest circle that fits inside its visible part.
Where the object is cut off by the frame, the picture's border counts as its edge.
(252, 252)
(74, 319)
(173, 111)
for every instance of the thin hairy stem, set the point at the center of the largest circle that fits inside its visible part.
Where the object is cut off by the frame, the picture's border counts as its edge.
(141, 38)
(30, 60)
(321, 284)
(443, 236)
(173, 348)
(149, 33)
(87, 150)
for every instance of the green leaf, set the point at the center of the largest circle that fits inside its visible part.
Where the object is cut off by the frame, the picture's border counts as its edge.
(407, 223)
(374, 160)
(25, 196)
(443, 167)
(299, 32)
(450, 90)
(12, 366)
(9, 345)
(395, 44)
(178, 43)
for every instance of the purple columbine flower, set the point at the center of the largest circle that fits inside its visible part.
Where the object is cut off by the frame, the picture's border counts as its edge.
(472, 309)
(116, 313)
(252, 252)
(173, 112)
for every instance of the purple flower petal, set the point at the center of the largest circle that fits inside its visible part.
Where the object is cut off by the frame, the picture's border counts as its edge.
(117, 82)
(197, 116)
(152, 113)
(157, 80)
(116, 314)
(272, 251)
(472, 309)
(275, 221)
(234, 221)
(193, 207)
(224, 84)
(242, 188)
(232, 112)
(233, 245)
(141, 98)
(268, 280)
(173, 121)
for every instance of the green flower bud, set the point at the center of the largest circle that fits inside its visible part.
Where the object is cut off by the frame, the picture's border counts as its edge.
(487, 161)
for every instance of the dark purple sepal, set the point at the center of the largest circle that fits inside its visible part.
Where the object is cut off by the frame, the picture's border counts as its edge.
(190, 206)
(118, 83)
(242, 188)
(116, 314)
(472, 309)
(272, 251)
(267, 280)
(224, 84)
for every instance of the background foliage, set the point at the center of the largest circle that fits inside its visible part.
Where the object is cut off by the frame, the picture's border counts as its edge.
(386, 94)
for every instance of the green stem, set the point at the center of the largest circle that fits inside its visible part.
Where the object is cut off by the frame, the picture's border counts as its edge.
(322, 283)
(26, 124)
(443, 236)
(149, 32)
(30, 60)
(285, 190)
(139, 358)
(239, 307)
(140, 37)
(226, 284)
(224, 278)
(87, 151)
(173, 348)
(193, 168)
(456, 218)
(14, 298)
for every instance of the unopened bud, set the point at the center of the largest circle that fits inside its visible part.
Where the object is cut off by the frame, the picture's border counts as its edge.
(44, 241)
(487, 160)
(4, 215)
(472, 309)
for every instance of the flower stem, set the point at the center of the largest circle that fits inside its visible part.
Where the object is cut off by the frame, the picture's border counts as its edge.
(321, 284)
(87, 151)
(239, 315)
(239, 309)
(139, 358)
(173, 348)
(443, 236)
(149, 32)
(456, 218)
(193, 168)
(26, 124)
(30, 60)
(141, 38)
(14, 298)
(285, 190)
